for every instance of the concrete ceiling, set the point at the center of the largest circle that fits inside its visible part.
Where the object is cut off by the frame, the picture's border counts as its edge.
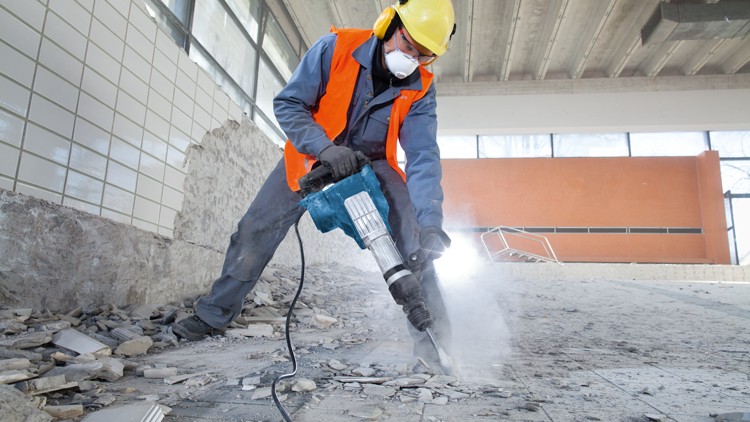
(545, 44)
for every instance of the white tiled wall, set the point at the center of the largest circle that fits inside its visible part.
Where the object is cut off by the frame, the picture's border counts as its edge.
(97, 108)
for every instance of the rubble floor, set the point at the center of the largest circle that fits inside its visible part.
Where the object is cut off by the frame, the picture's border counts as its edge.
(542, 350)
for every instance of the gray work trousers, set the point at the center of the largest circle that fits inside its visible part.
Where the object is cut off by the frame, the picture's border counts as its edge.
(265, 224)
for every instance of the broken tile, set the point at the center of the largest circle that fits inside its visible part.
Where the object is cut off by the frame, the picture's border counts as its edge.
(64, 412)
(134, 412)
(135, 347)
(76, 341)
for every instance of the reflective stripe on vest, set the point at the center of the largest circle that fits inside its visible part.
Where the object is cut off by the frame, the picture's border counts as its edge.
(333, 106)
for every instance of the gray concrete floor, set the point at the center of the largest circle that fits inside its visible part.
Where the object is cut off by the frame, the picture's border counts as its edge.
(539, 350)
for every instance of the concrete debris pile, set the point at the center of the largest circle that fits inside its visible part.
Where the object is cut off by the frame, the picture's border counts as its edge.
(62, 362)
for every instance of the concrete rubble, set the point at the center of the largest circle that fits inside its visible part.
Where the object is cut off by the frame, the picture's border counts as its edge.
(102, 362)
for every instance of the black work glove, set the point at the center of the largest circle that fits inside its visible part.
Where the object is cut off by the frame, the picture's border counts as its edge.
(433, 241)
(341, 160)
(407, 292)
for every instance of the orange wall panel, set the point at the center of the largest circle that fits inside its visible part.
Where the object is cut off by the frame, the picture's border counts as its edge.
(669, 192)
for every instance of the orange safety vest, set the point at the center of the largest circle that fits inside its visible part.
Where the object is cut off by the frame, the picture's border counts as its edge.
(333, 106)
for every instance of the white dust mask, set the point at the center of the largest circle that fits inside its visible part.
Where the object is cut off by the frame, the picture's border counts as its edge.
(400, 63)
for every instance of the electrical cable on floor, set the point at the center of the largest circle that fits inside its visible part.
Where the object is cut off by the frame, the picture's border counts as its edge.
(286, 416)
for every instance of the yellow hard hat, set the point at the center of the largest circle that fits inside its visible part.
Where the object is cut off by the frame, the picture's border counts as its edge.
(430, 22)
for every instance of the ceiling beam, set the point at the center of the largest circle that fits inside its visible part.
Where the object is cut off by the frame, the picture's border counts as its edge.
(596, 85)
(577, 62)
(699, 58)
(631, 40)
(513, 9)
(540, 58)
(468, 74)
(738, 59)
(659, 58)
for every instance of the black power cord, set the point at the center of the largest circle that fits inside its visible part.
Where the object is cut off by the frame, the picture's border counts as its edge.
(286, 416)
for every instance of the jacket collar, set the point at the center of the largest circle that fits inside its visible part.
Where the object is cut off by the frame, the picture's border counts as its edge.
(365, 54)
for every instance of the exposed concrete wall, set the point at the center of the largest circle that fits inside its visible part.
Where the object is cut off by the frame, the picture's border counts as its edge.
(58, 258)
(224, 173)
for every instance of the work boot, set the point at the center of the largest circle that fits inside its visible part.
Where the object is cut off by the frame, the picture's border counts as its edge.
(191, 328)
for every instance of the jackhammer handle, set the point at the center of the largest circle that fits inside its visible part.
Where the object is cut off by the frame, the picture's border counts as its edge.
(321, 175)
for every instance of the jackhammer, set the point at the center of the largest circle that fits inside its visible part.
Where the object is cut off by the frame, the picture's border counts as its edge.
(366, 221)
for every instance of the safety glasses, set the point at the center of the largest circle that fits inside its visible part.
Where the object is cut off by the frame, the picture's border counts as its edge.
(410, 49)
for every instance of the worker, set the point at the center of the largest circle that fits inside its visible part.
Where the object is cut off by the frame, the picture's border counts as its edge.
(354, 90)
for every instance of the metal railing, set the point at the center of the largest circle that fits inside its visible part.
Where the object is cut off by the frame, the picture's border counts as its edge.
(509, 242)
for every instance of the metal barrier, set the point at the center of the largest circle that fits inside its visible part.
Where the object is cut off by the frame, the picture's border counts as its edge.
(517, 244)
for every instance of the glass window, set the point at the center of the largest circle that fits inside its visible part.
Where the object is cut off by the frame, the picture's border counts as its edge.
(457, 146)
(735, 175)
(731, 144)
(248, 13)
(225, 42)
(515, 146)
(268, 86)
(667, 144)
(741, 208)
(590, 145)
(177, 32)
(278, 48)
(180, 8)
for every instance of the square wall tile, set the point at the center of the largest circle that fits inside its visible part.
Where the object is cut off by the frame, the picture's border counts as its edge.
(73, 13)
(154, 146)
(165, 66)
(204, 100)
(87, 4)
(202, 117)
(152, 167)
(8, 160)
(110, 42)
(183, 102)
(30, 12)
(188, 66)
(91, 136)
(84, 187)
(145, 225)
(99, 87)
(146, 210)
(110, 18)
(159, 105)
(206, 83)
(128, 131)
(166, 217)
(166, 45)
(88, 162)
(144, 23)
(179, 139)
(103, 63)
(18, 34)
(16, 66)
(46, 144)
(121, 176)
(11, 128)
(37, 192)
(124, 153)
(42, 173)
(65, 35)
(180, 119)
(137, 64)
(149, 188)
(116, 216)
(162, 85)
(6, 183)
(95, 111)
(142, 45)
(131, 108)
(80, 205)
(122, 7)
(134, 86)
(172, 198)
(174, 179)
(51, 116)
(163, 231)
(156, 125)
(61, 62)
(118, 200)
(13, 97)
(56, 89)
(187, 85)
